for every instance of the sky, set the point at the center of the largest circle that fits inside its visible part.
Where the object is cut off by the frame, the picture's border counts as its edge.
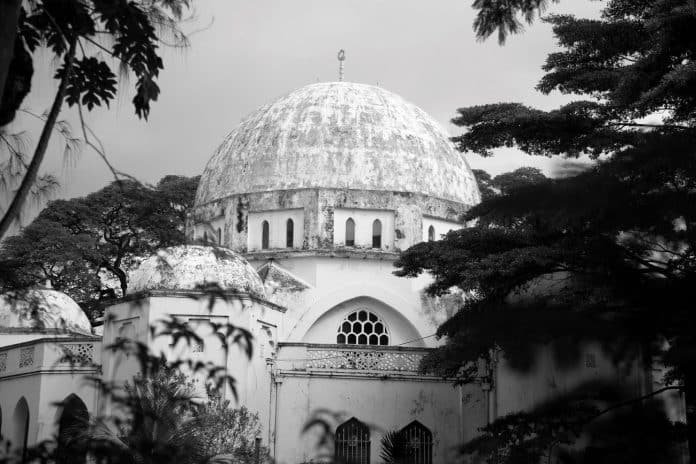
(245, 53)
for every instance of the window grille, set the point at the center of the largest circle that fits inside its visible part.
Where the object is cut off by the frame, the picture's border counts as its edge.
(431, 234)
(377, 234)
(419, 441)
(362, 328)
(350, 232)
(352, 443)
(264, 235)
(290, 234)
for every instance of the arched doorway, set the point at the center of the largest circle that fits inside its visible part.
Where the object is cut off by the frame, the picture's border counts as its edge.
(20, 429)
(72, 423)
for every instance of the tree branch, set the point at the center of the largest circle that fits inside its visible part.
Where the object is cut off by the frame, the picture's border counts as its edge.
(32, 172)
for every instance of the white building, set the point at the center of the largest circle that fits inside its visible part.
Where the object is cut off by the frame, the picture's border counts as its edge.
(310, 200)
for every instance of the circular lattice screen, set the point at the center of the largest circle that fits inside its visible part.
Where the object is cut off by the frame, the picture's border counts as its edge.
(362, 328)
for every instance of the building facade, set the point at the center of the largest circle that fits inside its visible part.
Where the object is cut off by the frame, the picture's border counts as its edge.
(307, 203)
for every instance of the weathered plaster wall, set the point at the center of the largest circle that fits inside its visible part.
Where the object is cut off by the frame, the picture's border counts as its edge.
(43, 384)
(337, 281)
(385, 404)
(318, 209)
(277, 222)
(441, 227)
(252, 375)
(552, 375)
(364, 219)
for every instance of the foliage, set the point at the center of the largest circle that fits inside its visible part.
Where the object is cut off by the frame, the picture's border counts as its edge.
(634, 434)
(504, 183)
(229, 431)
(394, 447)
(89, 39)
(72, 243)
(604, 255)
(162, 415)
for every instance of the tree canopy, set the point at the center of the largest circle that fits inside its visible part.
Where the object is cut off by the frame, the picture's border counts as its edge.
(82, 243)
(616, 241)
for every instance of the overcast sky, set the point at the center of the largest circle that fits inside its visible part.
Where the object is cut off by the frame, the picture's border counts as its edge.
(250, 52)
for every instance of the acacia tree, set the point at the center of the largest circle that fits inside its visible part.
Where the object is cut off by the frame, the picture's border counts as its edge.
(622, 231)
(78, 33)
(72, 243)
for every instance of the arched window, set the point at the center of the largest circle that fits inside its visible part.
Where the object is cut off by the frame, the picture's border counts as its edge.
(362, 328)
(419, 442)
(73, 421)
(352, 443)
(264, 235)
(20, 428)
(350, 232)
(290, 233)
(377, 234)
(205, 236)
(219, 231)
(431, 234)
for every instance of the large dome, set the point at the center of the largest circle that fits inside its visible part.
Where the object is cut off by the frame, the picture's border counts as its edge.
(42, 309)
(189, 267)
(339, 135)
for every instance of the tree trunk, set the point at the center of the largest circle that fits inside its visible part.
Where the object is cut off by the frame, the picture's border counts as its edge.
(20, 197)
(9, 17)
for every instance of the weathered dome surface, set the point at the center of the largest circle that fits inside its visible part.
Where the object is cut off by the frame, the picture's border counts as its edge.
(339, 135)
(42, 309)
(189, 267)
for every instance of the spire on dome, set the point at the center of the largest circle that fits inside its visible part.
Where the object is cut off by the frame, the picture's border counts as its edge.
(341, 59)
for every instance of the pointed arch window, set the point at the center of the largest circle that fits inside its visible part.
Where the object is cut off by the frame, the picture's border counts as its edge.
(352, 445)
(419, 442)
(265, 232)
(290, 233)
(350, 232)
(362, 328)
(205, 237)
(377, 234)
(431, 234)
(72, 423)
(219, 235)
(20, 428)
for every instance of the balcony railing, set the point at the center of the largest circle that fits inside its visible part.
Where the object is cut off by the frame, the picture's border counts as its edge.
(312, 357)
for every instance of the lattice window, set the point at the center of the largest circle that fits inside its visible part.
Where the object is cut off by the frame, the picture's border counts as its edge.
(78, 353)
(362, 328)
(352, 443)
(3, 362)
(367, 360)
(419, 442)
(26, 357)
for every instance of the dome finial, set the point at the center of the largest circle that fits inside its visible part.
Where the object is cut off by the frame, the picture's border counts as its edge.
(341, 59)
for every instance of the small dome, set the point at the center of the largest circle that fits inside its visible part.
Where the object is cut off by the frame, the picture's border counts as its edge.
(42, 309)
(189, 267)
(339, 135)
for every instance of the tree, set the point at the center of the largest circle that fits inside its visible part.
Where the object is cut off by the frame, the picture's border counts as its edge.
(165, 422)
(72, 243)
(620, 236)
(504, 183)
(228, 431)
(77, 33)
